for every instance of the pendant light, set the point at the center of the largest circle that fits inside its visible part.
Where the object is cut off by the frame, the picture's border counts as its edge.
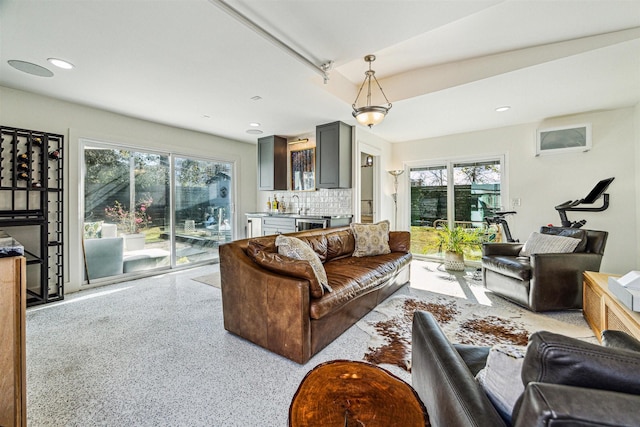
(370, 115)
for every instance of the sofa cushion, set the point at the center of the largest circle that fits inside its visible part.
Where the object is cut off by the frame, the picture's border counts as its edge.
(371, 239)
(516, 267)
(318, 243)
(501, 378)
(548, 244)
(340, 244)
(297, 249)
(353, 276)
(576, 233)
(557, 359)
(286, 266)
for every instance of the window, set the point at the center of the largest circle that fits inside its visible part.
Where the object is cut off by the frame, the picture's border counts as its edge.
(152, 210)
(452, 193)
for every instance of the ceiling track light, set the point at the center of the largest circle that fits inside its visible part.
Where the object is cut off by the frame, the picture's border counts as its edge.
(370, 115)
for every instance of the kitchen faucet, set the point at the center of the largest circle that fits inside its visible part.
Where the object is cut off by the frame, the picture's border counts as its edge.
(297, 204)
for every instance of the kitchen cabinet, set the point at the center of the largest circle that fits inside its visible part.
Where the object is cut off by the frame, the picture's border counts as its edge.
(272, 163)
(274, 225)
(333, 155)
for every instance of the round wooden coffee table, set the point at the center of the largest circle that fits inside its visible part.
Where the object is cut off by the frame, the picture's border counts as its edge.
(352, 393)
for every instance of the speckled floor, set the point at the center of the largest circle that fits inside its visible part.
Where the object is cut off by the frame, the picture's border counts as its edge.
(153, 352)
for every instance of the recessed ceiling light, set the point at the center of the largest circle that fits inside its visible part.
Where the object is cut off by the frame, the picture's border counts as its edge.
(256, 98)
(30, 68)
(254, 131)
(503, 108)
(61, 63)
(254, 124)
(206, 116)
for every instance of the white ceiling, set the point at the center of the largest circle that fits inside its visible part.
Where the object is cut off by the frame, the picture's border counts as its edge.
(445, 65)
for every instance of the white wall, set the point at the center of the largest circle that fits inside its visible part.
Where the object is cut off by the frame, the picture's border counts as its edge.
(546, 181)
(29, 111)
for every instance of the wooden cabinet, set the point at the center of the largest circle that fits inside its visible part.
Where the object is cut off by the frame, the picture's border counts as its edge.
(602, 310)
(272, 163)
(13, 396)
(333, 155)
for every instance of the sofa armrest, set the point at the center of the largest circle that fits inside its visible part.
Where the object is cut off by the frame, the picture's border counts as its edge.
(400, 241)
(445, 385)
(618, 339)
(557, 280)
(503, 249)
(554, 404)
(266, 308)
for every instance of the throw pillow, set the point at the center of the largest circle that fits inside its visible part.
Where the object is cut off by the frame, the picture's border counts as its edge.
(576, 233)
(93, 230)
(297, 249)
(286, 266)
(547, 244)
(371, 239)
(501, 379)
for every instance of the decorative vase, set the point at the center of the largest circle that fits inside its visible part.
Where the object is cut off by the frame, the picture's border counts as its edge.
(453, 261)
(134, 242)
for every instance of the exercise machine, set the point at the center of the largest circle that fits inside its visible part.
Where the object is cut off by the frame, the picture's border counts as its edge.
(499, 218)
(575, 205)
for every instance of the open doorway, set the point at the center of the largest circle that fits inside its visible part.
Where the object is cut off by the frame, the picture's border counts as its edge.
(366, 188)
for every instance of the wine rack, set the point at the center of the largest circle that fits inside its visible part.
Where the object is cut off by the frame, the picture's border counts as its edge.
(31, 206)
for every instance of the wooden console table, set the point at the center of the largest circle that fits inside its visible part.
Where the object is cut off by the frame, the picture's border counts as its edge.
(603, 310)
(13, 302)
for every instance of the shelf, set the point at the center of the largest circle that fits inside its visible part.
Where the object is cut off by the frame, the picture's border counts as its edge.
(41, 205)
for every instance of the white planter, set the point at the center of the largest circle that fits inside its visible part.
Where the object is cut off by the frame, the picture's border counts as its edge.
(453, 261)
(134, 242)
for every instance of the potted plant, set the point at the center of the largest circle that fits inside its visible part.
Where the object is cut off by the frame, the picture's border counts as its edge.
(131, 224)
(453, 242)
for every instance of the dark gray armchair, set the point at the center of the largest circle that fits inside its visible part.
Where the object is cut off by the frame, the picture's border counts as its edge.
(543, 281)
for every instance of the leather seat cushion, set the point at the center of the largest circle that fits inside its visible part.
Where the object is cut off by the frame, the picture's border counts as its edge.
(516, 267)
(352, 276)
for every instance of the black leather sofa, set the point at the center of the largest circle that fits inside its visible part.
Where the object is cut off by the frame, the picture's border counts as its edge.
(543, 281)
(568, 382)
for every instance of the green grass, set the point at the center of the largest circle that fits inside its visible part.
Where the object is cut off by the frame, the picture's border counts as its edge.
(424, 242)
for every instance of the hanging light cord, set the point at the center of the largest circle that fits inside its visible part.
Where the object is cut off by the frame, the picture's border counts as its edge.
(367, 80)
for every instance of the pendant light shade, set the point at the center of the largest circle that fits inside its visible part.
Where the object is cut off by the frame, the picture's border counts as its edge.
(368, 114)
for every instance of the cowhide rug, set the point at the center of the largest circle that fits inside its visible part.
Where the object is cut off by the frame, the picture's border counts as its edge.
(462, 321)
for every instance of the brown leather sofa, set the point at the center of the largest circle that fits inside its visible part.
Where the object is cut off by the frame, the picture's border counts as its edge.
(268, 300)
(544, 281)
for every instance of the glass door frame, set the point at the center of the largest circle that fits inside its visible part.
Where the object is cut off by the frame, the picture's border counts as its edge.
(85, 142)
(449, 163)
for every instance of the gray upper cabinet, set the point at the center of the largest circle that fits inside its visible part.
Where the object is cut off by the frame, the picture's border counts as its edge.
(333, 155)
(272, 163)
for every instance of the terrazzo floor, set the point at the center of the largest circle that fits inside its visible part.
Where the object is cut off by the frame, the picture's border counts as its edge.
(154, 352)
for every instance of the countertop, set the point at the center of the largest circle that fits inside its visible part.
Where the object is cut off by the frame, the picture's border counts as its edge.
(9, 246)
(294, 215)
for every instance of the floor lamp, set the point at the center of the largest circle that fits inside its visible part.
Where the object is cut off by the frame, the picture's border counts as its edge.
(396, 174)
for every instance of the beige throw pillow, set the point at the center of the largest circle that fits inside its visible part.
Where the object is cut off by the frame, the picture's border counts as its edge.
(501, 378)
(297, 249)
(548, 244)
(371, 239)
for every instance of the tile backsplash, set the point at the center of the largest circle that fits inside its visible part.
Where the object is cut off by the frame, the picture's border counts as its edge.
(320, 202)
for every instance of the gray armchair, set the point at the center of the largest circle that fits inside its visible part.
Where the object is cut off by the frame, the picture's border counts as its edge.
(543, 281)
(103, 257)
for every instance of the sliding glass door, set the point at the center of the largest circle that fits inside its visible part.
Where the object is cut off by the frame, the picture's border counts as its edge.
(202, 209)
(146, 211)
(452, 194)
